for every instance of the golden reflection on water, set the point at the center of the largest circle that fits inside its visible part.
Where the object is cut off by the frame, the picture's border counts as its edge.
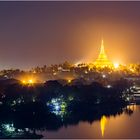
(103, 124)
(104, 119)
(132, 107)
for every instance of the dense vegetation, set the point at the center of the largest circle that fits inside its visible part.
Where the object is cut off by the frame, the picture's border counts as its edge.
(52, 105)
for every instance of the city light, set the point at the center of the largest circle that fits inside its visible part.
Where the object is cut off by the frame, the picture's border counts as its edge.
(8, 127)
(24, 82)
(104, 76)
(69, 81)
(57, 106)
(108, 86)
(28, 81)
(116, 65)
(133, 107)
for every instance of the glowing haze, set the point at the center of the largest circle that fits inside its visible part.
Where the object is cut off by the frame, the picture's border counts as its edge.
(38, 33)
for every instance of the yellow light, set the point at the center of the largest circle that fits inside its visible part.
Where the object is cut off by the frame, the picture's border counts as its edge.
(77, 63)
(132, 107)
(132, 70)
(102, 60)
(116, 65)
(24, 82)
(69, 80)
(103, 124)
(30, 81)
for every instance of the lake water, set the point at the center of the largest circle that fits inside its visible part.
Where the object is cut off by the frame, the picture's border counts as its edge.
(120, 126)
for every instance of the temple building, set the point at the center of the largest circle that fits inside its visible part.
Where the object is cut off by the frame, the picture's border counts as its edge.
(102, 60)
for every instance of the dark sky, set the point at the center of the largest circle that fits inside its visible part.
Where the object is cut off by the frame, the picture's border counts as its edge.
(38, 33)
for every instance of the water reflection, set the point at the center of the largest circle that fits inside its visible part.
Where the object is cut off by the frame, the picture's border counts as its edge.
(25, 125)
(58, 106)
(103, 122)
(129, 110)
(132, 107)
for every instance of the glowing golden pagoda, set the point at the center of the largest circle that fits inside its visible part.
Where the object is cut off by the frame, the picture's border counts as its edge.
(102, 60)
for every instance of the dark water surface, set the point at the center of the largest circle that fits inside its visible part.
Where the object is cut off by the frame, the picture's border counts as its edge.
(119, 126)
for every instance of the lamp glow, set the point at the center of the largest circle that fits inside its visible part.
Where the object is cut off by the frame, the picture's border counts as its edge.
(30, 81)
(69, 80)
(24, 82)
(116, 65)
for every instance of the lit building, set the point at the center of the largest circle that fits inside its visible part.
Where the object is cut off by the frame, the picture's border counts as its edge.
(102, 60)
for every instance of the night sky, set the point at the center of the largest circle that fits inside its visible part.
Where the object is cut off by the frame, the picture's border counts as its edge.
(38, 33)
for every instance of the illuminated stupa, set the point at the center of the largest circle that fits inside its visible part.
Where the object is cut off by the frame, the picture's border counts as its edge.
(102, 60)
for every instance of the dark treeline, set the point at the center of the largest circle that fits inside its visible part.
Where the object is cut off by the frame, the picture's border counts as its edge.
(52, 105)
(14, 91)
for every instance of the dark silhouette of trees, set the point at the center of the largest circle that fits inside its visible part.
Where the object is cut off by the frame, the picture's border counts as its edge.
(27, 106)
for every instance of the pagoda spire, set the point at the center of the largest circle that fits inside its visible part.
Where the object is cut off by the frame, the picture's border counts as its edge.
(102, 54)
(102, 51)
(102, 59)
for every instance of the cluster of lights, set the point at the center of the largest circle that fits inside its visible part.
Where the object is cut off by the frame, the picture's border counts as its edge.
(8, 127)
(18, 101)
(132, 107)
(28, 81)
(91, 65)
(57, 106)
